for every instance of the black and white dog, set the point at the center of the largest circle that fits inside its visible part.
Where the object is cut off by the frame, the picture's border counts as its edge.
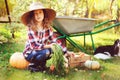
(108, 51)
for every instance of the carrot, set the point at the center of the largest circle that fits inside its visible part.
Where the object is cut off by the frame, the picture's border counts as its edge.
(52, 67)
(58, 59)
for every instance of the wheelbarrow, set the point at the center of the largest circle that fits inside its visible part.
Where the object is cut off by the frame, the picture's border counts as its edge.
(71, 26)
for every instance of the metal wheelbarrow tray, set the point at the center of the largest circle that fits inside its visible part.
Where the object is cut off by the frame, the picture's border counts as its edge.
(71, 27)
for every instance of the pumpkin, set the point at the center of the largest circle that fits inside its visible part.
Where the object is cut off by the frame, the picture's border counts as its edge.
(17, 60)
(92, 64)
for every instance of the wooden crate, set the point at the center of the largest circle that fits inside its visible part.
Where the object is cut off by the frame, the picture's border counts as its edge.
(78, 60)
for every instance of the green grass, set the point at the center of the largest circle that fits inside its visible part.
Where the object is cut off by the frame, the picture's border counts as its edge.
(109, 69)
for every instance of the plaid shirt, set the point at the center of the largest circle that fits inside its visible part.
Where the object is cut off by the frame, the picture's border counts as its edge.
(37, 40)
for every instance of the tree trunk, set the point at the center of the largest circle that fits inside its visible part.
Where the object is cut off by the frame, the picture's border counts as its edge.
(13, 35)
(117, 20)
(111, 6)
(87, 11)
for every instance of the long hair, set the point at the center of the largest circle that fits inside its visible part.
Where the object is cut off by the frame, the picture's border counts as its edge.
(33, 24)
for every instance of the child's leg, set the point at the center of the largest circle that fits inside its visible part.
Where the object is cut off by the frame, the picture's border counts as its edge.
(38, 58)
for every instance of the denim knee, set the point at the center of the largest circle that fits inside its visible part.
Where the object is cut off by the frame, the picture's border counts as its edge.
(38, 55)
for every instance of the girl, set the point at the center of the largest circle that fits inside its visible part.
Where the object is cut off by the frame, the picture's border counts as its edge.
(40, 36)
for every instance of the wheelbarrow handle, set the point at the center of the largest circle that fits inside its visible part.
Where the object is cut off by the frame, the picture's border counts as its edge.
(103, 23)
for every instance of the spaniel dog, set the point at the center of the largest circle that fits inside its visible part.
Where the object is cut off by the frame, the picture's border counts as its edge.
(108, 51)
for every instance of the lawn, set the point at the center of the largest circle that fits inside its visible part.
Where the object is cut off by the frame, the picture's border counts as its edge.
(109, 69)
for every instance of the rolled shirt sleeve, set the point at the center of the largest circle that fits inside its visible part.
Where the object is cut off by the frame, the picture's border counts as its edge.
(54, 39)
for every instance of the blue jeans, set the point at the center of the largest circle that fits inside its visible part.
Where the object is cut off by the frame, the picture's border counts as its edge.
(38, 56)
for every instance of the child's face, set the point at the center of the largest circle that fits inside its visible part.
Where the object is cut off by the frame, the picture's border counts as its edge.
(39, 15)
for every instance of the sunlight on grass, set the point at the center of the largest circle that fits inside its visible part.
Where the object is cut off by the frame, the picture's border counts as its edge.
(100, 39)
(109, 69)
(112, 71)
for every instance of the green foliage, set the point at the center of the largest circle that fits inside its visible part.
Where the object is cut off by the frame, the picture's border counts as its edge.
(115, 8)
(4, 35)
(118, 3)
(20, 7)
(58, 60)
(78, 8)
(101, 5)
(3, 11)
(15, 27)
(63, 7)
(109, 69)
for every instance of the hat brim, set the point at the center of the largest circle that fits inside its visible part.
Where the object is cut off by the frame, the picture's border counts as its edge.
(25, 18)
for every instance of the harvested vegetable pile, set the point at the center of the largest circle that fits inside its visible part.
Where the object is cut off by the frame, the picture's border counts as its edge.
(58, 60)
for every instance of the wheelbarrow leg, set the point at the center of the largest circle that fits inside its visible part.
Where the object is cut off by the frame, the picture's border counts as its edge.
(93, 46)
(84, 40)
(75, 44)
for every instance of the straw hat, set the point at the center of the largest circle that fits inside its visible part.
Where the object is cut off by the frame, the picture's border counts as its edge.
(25, 18)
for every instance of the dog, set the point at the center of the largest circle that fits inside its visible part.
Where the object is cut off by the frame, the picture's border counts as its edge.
(108, 51)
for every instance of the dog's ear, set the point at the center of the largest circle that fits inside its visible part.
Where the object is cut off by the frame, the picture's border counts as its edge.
(117, 42)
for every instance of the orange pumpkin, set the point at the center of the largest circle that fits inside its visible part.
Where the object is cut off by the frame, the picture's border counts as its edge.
(17, 60)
